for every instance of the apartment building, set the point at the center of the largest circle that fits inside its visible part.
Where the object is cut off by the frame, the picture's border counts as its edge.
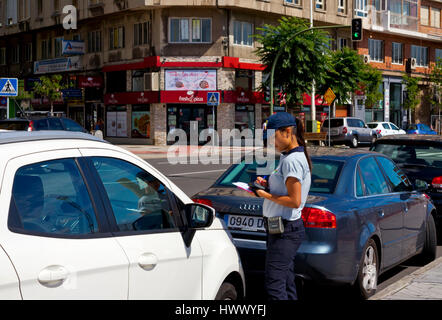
(401, 36)
(145, 67)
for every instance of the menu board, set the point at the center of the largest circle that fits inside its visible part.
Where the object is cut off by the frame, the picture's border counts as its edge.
(141, 124)
(121, 124)
(116, 124)
(190, 80)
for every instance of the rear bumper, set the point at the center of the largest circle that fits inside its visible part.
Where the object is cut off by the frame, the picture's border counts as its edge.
(319, 262)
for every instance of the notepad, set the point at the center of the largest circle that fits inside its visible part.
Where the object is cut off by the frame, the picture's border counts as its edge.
(242, 186)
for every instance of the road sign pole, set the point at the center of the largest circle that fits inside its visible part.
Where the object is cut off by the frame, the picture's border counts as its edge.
(7, 109)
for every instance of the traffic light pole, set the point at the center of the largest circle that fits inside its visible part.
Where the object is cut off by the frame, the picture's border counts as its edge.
(278, 55)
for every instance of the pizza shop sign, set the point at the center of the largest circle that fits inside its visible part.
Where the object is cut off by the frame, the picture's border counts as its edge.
(190, 80)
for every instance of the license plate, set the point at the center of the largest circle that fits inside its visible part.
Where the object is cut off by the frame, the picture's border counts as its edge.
(245, 223)
(334, 132)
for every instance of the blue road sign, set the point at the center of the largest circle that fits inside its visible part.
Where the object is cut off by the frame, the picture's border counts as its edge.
(8, 87)
(213, 99)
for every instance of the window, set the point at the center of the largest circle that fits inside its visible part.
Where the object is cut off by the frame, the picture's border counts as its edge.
(56, 5)
(342, 43)
(242, 33)
(398, 180)
(2, 56)
(320, 4)
(116, 38)
(359, 187)
(397, 54)
(27, 52)
(195, 30)
(140, 34)
(386, 126)
(376, 50)
(372, 177)
(52, 198)
(94, 41)
(55, 124)
(46, 49)
(72, 125)
(342, 5)
(15, 54)
(435, 17)
(424, 16)
(421, 55)
(379, 5)
(138, 81)
(361, 8)
(139, 201)
(295, 2)
(11, 12)
(40, 7)
(58, 46)
(438, 54)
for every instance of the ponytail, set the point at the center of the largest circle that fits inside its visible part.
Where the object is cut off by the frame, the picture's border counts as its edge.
(301, 141)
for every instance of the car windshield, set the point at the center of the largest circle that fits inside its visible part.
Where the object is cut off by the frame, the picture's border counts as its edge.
(334, 123)
(372, 125)
(325, 175)
(412, 154)
(14, 125)
(412, 127)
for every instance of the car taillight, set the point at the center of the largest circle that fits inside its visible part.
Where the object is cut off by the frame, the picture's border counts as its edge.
(207, 202)
(31, 126)
(427, 196)
(437, 183)
(344, 130)
(318, 218)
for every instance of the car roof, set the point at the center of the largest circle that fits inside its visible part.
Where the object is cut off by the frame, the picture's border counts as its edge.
(400, 138)
(338, 153)
(25, 136)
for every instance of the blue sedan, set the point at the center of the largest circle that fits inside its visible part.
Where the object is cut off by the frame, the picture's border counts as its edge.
(420, 128)
(363, 217)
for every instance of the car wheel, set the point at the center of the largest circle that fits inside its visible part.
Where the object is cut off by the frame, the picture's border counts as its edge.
(367, 280)
(227, 292)
(430, 246)
(354, 142)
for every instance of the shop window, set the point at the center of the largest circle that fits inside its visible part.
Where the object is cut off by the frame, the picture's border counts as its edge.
(138, 81)
(141, 121)
(245, 80)
(116, 121)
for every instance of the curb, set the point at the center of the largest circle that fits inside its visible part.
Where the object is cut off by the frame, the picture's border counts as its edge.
(404, 282)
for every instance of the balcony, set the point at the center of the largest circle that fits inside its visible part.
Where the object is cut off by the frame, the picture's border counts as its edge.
(394, 22)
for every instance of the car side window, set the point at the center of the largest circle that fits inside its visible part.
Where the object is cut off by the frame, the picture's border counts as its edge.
(351, 123)
(361, 124)
(359, 188)
(72, 125)
(55, 124)
(372, 176)
(41, 124)
(386, 126)
(51, 198)
(139, 201)
(394, 127)
(398, 180)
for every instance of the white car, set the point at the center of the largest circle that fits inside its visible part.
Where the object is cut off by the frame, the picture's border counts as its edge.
(385, 128)
(83, 219)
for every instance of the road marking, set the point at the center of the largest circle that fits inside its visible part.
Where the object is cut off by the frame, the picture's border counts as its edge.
(190, 173)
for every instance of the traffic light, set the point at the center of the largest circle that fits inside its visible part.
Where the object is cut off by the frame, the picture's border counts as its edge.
(356, 29)
(267, 94)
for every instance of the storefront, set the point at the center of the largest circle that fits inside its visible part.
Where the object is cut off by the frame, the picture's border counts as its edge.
(92, 86)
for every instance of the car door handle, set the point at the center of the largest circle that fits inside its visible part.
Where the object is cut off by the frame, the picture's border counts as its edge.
(406, 208)
(148, 261)
(381, 213)
(53, 276)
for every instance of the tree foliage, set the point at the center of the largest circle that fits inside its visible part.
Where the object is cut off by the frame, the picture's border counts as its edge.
(302, 61)
(436, 83)
(50, 88)
(412, 88)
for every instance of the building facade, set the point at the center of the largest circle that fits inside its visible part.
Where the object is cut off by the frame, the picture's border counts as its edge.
(147, 67)
(401, 36)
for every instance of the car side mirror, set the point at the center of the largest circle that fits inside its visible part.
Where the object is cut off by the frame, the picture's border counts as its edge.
(199, 216)
(420, 185)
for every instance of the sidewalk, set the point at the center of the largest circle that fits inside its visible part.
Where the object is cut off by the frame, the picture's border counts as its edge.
(423, 284)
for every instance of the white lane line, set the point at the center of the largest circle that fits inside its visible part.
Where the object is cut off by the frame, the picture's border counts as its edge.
(190, 173)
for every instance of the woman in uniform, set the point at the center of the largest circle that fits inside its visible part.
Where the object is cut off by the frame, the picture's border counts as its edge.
(288, 189)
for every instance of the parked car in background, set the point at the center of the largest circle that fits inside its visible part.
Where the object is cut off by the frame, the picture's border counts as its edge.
(420, 128)
(420, 157)
(84, 219)
(36, 123)
(385, 128)
(350, 131)
(362, 217)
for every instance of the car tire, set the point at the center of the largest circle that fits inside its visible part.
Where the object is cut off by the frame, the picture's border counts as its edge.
(430, 246)
(366, 282)
(227, 292)
(354, 143)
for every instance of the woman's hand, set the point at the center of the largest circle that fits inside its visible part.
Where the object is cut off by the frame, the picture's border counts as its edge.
(263, 194)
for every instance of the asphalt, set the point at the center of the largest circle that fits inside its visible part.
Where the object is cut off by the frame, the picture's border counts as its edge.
(423, 284)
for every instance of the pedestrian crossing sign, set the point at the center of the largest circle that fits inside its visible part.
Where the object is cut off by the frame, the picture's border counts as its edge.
(8, 87)
(213, 99)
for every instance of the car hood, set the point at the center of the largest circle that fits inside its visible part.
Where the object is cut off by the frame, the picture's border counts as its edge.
(234, 200)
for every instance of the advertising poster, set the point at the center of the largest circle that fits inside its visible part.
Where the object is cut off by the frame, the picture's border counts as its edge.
(190, 80)
(121, 124)
(141, 124)
(111, 127)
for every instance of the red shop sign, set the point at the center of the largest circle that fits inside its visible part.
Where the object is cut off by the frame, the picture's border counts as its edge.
(243, 97)
(90, 82)
(131, 98)
(193, 97)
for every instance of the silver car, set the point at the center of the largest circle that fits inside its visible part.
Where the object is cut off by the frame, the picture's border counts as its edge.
(350, 131)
